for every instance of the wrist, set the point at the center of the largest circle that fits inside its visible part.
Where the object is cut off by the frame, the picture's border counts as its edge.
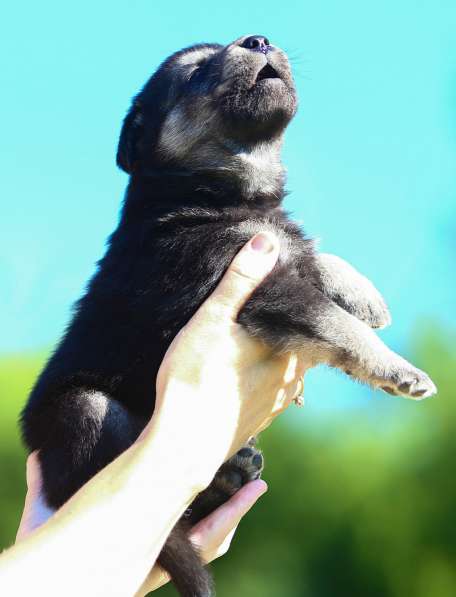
(183, 449)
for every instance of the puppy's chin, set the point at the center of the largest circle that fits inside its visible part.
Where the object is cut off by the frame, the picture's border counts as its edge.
(260, 113)
(260, 99)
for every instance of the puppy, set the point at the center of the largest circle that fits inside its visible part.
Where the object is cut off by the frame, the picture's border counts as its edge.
(202, 144)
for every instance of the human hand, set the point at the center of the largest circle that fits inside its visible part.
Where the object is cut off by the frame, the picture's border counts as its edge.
(217, 386)
(36, 511)
(212, 535)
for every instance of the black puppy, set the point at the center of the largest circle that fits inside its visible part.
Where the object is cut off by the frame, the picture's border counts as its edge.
(202, 145)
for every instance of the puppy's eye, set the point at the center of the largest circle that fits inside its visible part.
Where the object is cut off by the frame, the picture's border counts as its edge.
(199, 64)
(196, 68)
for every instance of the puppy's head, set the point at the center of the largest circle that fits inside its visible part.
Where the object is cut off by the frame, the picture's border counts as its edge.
(212, 108)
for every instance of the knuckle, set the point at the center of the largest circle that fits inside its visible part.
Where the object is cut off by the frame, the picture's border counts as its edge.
(242, 278)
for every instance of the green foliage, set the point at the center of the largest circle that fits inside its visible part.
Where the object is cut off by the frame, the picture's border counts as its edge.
(359, 506)
(17, 374)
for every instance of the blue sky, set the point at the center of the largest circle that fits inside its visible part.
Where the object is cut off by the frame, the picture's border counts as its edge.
(371, 154)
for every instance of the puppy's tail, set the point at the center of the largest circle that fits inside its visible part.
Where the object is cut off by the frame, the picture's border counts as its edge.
(180, 559)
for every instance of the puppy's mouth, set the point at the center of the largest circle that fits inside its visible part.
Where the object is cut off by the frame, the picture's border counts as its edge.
(267, 72)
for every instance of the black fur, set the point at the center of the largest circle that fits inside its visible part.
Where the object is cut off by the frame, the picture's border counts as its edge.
(177, 234)
(161, 264)
(189, 208)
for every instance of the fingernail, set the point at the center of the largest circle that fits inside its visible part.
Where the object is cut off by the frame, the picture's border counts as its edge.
(266, 487)
(261, 243)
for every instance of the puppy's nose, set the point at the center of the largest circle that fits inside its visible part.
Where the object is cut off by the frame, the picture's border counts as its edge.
(258, 43)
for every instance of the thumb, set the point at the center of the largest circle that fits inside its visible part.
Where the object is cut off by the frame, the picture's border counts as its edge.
(250, 266)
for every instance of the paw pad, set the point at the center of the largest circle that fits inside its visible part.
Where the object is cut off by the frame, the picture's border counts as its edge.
(411, 383)
(246, 465)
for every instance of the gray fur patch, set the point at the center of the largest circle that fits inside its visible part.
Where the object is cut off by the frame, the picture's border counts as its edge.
(192, 132)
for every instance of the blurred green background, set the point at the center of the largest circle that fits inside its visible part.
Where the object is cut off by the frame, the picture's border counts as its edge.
(362, 489)
(354, 508)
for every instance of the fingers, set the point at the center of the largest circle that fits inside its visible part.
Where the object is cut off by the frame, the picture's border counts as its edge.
(36, 511)
(33, 478)
(213, 534)
(33, 474)
(280, 379)
(298, 398)
(250, 266)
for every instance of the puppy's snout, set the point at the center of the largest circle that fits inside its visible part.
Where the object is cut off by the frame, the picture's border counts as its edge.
(257, 43)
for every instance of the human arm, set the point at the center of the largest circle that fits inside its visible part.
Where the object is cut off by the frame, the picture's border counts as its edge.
(212, 535)
(216, 387)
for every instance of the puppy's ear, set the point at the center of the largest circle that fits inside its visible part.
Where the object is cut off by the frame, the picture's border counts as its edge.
(132, 128)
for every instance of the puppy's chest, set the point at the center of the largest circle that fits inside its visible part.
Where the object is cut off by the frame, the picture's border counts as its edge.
(191, 254)
(195, 253)
(293, 244)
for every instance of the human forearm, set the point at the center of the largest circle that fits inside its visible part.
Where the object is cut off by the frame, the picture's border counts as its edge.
(213, 534)
(138, 498)
(216, 387)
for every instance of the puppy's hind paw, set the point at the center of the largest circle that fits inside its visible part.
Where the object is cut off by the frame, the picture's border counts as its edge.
(246, 465)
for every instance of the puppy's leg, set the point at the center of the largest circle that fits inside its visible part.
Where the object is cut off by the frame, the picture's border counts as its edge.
(348, 344)
(77, 433)
(292, 315)
(352, 291)
(246, 465)
(83, 431)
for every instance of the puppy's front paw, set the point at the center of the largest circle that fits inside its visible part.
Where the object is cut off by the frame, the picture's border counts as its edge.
(410, 382)
(246, 465)
(365, 303)
(397, 376)
(352, 291)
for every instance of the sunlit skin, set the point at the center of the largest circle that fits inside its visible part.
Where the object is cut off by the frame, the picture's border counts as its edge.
(206, 410)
